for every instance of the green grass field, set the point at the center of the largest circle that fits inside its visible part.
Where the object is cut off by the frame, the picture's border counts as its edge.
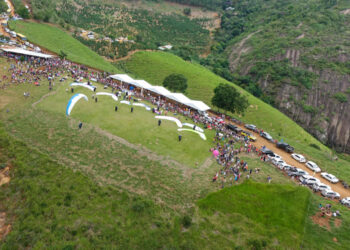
(56, 40)
(86, 188)
(155, 66)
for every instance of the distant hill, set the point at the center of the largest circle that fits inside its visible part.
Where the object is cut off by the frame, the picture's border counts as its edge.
(297, 52)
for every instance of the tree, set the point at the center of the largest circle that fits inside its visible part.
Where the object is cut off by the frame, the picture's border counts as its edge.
(229, 99)
(187, 11)
(176, 83)
(23, 12)
(62, 55)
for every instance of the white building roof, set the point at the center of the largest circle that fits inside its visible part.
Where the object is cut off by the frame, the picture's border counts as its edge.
(123, 78)
(27, 52)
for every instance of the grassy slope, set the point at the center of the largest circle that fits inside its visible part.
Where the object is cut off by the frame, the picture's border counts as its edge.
(55, 39)
(257, 200)
(155, 66)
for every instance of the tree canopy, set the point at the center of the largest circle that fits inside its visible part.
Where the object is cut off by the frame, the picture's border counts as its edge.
(229, 99)
(175, 83)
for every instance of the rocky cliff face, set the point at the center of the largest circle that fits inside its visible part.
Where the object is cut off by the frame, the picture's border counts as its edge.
(319, 110)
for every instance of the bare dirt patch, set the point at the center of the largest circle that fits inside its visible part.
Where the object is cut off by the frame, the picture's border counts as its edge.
(4, 228)
(337, 223)
(322, 221)
(5, 176)
(345, 12)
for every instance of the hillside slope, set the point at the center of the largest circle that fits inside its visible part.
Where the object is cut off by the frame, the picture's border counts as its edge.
(298, 53)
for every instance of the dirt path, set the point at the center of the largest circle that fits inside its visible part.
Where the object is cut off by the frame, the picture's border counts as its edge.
(238, 51)
(43, 98)
(130, 54)
(260, 142)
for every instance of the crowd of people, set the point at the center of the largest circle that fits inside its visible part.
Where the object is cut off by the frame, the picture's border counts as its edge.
(33, 70)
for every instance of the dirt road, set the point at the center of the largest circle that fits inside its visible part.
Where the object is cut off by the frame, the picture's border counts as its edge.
(289, 160)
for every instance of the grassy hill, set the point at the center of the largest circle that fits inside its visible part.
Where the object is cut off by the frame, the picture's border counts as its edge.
(86, 188)
(155, 66)
(57, 40)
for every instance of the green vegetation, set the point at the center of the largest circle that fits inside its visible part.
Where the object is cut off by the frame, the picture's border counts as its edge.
(257, 200)
(175, 83)
(146, 26)
(155, 66)
(341, 97)
(229, 99)
(56, 40)
(3, 7)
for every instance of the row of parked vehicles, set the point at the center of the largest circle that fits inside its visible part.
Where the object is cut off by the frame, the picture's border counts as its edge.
(314, 183)
(306, 179)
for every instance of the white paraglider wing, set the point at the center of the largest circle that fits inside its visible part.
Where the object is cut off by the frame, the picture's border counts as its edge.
(125, 102)
(173, 119)
(73, 101)
(108, 94)
(192, 126)
(142, 105)
(193, 131)
(83, 85)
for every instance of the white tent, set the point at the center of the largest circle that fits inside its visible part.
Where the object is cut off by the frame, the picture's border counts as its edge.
(159, 90)
(198, 105)
(178, 97)
(27, 53)
(123, 78)
(141, 84)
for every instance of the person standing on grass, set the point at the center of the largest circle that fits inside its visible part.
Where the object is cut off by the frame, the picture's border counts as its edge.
(132, 109)
(80, 125)
(159, 122)
(180, 137)
(116, 108)
(269, 179)
(95, 99)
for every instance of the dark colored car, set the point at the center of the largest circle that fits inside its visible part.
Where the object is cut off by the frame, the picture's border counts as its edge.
(233, 128)
(267, 151)
(285, 146)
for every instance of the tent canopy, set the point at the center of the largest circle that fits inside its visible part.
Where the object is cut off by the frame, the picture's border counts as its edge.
(181, 98)
(141, 84)
(123, 78)
(27, 53)
(198, 105)
(159, 90)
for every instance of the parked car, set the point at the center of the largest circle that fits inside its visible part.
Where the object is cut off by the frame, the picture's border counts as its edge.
(308, 180)
(284, 166)
(233, 128)
(267, 136)
(298, 158)
(267, 152)
(345, 201)
(37, 49)
(330, 194)
(329, 177)
(249, 135)
(285, 146)
(296, 172)
(274, 156)
(277, 162)
(313, 166)
(251, 127)
(319, 186)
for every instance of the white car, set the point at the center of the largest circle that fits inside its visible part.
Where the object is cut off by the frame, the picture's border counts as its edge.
(275, 157)
(319, 186)
(329, 177)
(267, 136)
(313, 166)
(284, 166)
(277, 162)
(345, 201)
(298, 158)
(330, 194)
(308, 179)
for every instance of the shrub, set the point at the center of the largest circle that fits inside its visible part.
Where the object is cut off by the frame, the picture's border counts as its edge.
(186, 221)
(341, 97)
(315, 146)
